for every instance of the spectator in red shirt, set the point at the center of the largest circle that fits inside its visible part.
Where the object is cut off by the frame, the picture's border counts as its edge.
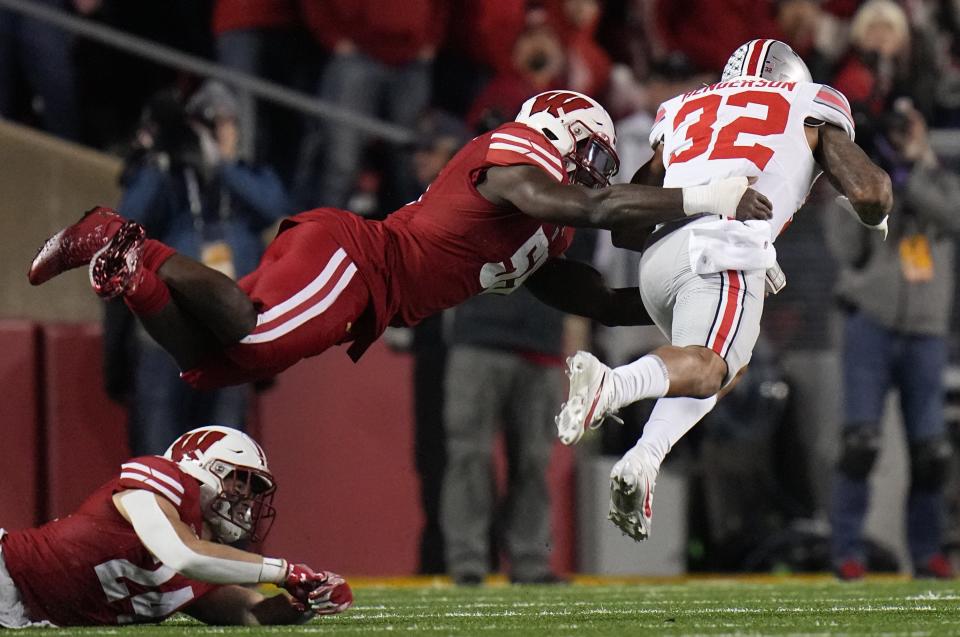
(707, 30)
(588, 65)
(381, 62)
(538, 65)
(879, 56)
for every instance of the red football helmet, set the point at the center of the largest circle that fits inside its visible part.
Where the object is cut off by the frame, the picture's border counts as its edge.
(580, 129)
(236, 486)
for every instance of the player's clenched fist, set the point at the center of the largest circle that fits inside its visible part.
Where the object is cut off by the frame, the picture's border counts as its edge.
(753, 205)
(323, 593)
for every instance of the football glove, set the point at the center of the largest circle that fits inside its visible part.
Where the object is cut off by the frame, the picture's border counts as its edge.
(322, 593)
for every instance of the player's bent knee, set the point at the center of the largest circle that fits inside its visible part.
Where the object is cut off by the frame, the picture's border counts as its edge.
(243, 318)
(861, 443)
(929, 462)
(713, 371)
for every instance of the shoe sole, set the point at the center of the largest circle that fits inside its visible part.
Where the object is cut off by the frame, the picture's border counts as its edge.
(571, 425)
(113, 265)
(623, 499)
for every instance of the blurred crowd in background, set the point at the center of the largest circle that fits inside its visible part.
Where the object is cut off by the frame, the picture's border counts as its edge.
(450, 69)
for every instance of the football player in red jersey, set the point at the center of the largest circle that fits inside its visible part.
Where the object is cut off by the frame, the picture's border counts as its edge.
(497, 216)
(153, 541)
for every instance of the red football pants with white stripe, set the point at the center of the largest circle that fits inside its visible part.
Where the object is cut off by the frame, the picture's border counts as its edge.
(720, 311)
(308, 295)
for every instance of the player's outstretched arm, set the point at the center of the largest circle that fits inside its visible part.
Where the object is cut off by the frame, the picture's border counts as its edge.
(576, 288)
(851, 172)
(159, 527)
(157, 524)
(650, 174)
(533, 192)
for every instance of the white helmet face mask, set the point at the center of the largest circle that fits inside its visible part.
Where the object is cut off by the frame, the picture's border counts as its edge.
(580, 129)
(236, 486)
(767, 59)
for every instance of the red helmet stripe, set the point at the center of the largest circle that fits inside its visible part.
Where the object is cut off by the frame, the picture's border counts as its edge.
(753, 65)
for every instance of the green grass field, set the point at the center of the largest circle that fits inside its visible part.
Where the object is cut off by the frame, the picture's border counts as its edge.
(709, 606)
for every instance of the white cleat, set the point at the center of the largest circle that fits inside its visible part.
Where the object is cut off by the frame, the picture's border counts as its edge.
(589, 400)
(631, 494)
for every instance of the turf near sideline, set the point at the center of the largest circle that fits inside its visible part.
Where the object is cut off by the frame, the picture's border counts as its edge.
(760, 605)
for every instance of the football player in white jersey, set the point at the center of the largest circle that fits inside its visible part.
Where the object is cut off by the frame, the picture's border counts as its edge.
(703, 278)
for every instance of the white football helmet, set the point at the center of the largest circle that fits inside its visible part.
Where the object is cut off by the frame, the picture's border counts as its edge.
(580, 129)
(236, 486)
(767, 59)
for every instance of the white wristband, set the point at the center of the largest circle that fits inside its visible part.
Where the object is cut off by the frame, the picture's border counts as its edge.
(273, 570)
(718, 197)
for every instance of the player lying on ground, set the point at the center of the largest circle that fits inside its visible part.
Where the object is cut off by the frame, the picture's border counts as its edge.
(703, 279)
(496, 217)
(153, 541)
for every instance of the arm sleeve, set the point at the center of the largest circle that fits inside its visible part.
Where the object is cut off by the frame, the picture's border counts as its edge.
(520, 145)
(829, 105)
(160, 538)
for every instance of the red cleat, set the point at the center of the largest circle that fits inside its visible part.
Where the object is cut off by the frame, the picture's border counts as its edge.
(937, 567)
(75, 245)
(117, 267)
(851, 570)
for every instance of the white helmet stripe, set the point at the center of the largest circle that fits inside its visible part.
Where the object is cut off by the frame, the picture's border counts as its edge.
(755, 57)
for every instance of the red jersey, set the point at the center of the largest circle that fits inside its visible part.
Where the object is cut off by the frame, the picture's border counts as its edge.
(90, 567)
(452, 243)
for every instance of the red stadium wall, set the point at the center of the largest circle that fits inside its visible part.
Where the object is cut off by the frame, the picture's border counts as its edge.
(86, 436)
(20, 487)
(340, 440)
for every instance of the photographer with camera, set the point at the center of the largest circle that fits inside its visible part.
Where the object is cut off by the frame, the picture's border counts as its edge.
(184, 183)
(897, 295)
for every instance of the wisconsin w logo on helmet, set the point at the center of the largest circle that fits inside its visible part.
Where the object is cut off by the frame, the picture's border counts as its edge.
(557, 103)
(195, 441)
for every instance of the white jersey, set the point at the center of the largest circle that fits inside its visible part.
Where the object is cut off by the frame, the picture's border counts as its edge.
(748, 127)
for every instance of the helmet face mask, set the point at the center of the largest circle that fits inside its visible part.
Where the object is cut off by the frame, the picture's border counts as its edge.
(594, 160)
(236, 486)
(580, 130)
(767, 59)
(243, 510)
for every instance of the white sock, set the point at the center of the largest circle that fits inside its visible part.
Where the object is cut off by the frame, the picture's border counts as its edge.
(645, 377)
(670, 420)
